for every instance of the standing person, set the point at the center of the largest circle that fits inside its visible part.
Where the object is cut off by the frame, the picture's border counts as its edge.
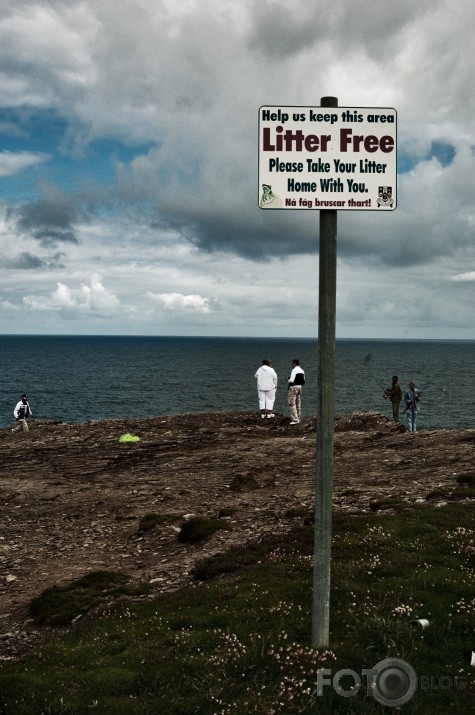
(266, 388)
(395, 395)
(411, 398)
(294, 396)
(21, 413)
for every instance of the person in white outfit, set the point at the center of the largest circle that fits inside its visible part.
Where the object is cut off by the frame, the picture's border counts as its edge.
(266, 388)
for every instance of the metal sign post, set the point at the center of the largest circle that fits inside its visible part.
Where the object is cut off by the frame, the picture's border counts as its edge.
(325, 422)
(330, 159)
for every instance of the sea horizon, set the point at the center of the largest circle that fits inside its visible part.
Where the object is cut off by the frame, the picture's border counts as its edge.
(78, 378)
(230, 337)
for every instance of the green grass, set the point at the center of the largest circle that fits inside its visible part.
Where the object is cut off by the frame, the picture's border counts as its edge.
(200, 529)
(241, 644)
(61, 605)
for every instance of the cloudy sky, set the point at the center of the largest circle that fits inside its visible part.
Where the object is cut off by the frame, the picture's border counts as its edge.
(129, 155)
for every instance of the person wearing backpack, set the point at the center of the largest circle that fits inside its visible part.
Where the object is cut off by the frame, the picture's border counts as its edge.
(294, 396)
(21, 413)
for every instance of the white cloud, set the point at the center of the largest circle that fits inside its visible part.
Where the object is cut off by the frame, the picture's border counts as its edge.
(464, 277)
(92, 298)
(179, 301)
(12, 163)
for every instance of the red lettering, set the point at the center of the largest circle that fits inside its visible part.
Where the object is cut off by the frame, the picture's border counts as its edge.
(370, 143)
(387, 144)
(293, 141)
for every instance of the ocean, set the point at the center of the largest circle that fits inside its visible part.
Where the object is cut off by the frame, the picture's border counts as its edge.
(79, 378)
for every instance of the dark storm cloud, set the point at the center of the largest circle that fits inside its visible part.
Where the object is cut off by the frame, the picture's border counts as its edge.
(263, 237)
(50, 237)
(27, 261)
(50, 221)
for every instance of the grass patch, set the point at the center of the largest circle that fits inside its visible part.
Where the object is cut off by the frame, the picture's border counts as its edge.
(393, 504)
(238, 559)
(200, 529)
(467, 478)
(466, 493)
(242, 644)
(293, 512)
(439, 494)
(61, 605)
(227, 511)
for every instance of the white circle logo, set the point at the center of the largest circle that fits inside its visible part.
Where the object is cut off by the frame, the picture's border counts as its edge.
(393, 682)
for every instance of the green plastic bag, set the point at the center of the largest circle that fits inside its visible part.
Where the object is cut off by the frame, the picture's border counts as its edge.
(129, 438)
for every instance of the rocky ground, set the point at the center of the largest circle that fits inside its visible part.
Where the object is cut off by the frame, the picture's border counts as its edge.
(73, 496)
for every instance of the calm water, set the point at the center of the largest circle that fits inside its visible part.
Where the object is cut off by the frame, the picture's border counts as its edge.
(76, 379)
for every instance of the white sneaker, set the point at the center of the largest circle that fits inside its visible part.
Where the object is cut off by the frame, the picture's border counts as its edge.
(263, 417)
(295, 423)
(271, 415)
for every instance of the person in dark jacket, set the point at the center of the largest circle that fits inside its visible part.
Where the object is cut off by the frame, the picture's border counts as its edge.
(395, 395)
(21, 413)
(294, 396)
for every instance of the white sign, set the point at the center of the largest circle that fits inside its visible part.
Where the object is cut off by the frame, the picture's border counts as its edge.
(327, 158)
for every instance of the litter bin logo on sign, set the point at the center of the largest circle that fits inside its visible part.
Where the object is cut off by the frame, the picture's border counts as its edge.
(327, 158)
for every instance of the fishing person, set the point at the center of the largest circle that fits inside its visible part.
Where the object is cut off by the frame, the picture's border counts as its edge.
(395, 395)
(21, 413)
(411, 398)
(266, 388)
(294, 395)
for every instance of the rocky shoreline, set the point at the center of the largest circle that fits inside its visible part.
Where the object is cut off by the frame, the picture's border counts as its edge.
(73, 495)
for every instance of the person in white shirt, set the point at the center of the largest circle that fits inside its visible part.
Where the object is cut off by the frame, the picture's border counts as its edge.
(294, 396)
(21, 413)
(266, 388)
